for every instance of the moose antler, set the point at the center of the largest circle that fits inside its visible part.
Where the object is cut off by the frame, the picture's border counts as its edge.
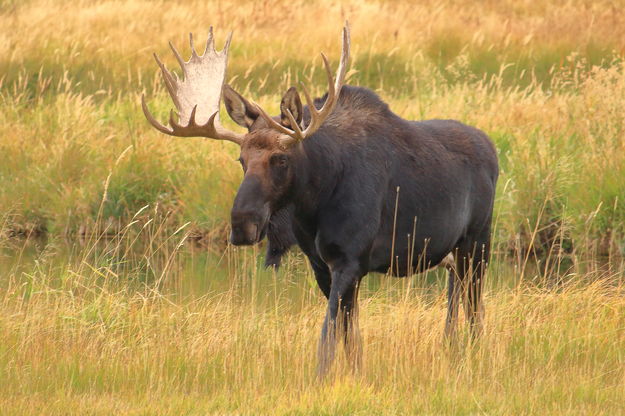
(197, 95)
(317, 117)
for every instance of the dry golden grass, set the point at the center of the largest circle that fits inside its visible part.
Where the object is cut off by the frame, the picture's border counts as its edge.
(88, 344)
(108, 331)
(544, 80)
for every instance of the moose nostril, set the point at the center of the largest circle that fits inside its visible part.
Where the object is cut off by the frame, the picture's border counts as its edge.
(245, 233)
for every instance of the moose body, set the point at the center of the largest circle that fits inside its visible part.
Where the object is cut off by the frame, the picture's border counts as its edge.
(362, 190)
(373, 190)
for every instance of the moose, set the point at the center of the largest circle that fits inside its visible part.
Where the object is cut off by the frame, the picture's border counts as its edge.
(360, 189)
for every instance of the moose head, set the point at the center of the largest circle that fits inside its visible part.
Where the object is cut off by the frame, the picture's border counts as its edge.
(268, 146)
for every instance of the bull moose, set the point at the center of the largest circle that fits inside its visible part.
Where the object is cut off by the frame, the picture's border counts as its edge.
(360, 188)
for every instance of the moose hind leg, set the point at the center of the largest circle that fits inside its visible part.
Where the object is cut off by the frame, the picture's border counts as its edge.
(472, 264)
(454, 289)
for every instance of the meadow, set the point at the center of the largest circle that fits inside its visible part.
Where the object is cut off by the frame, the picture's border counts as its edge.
(119, 294)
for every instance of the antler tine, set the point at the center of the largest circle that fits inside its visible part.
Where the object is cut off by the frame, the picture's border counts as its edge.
(192, 46)
(334, 87)
(296, 128)
(226, 45)
(167, 77)
(346, 44)
(172, 121)
(192, 129)
(317, 117)
(210, 42)
(158, 126)
(192, 116)
(331, 85)
(307, 97)
(272, 123)
(197, 95)
(178, 58)
(177, 127)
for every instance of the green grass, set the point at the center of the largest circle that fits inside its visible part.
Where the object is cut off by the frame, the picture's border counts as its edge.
(131, 320)
(548, 95)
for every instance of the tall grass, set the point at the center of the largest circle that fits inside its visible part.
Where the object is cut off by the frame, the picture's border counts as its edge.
(116, 323)
(544, 80)
(111, 331)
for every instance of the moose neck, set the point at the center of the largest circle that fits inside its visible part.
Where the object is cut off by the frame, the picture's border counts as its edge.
(317, 167)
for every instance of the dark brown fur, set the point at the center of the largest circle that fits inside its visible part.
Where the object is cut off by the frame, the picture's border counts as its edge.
(365, 177)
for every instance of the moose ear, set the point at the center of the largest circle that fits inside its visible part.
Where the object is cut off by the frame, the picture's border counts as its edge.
(291, 102)
(239, 109)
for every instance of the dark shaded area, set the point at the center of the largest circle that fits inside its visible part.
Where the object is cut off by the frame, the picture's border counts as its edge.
(280, 236)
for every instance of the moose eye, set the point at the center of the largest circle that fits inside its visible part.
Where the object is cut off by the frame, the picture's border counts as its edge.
(280, 160)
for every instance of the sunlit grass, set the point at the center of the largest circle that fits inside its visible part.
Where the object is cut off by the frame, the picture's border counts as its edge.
(111, 331)
(128, 318)
(544, 81)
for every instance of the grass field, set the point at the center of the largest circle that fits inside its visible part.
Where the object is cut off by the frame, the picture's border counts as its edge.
(147, 311)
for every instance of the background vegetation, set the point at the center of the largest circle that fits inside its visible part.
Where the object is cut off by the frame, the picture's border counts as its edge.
(117, 324)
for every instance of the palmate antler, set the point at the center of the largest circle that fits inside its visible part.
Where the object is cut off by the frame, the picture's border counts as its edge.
(317, 117)
(197, 95)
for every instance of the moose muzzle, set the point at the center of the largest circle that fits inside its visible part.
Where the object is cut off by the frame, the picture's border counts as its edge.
(250, 213)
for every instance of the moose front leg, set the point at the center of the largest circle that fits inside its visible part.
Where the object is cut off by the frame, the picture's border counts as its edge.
(348, 311)
(341, 317)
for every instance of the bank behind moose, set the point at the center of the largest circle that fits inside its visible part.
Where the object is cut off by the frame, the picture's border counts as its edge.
(360, 188)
